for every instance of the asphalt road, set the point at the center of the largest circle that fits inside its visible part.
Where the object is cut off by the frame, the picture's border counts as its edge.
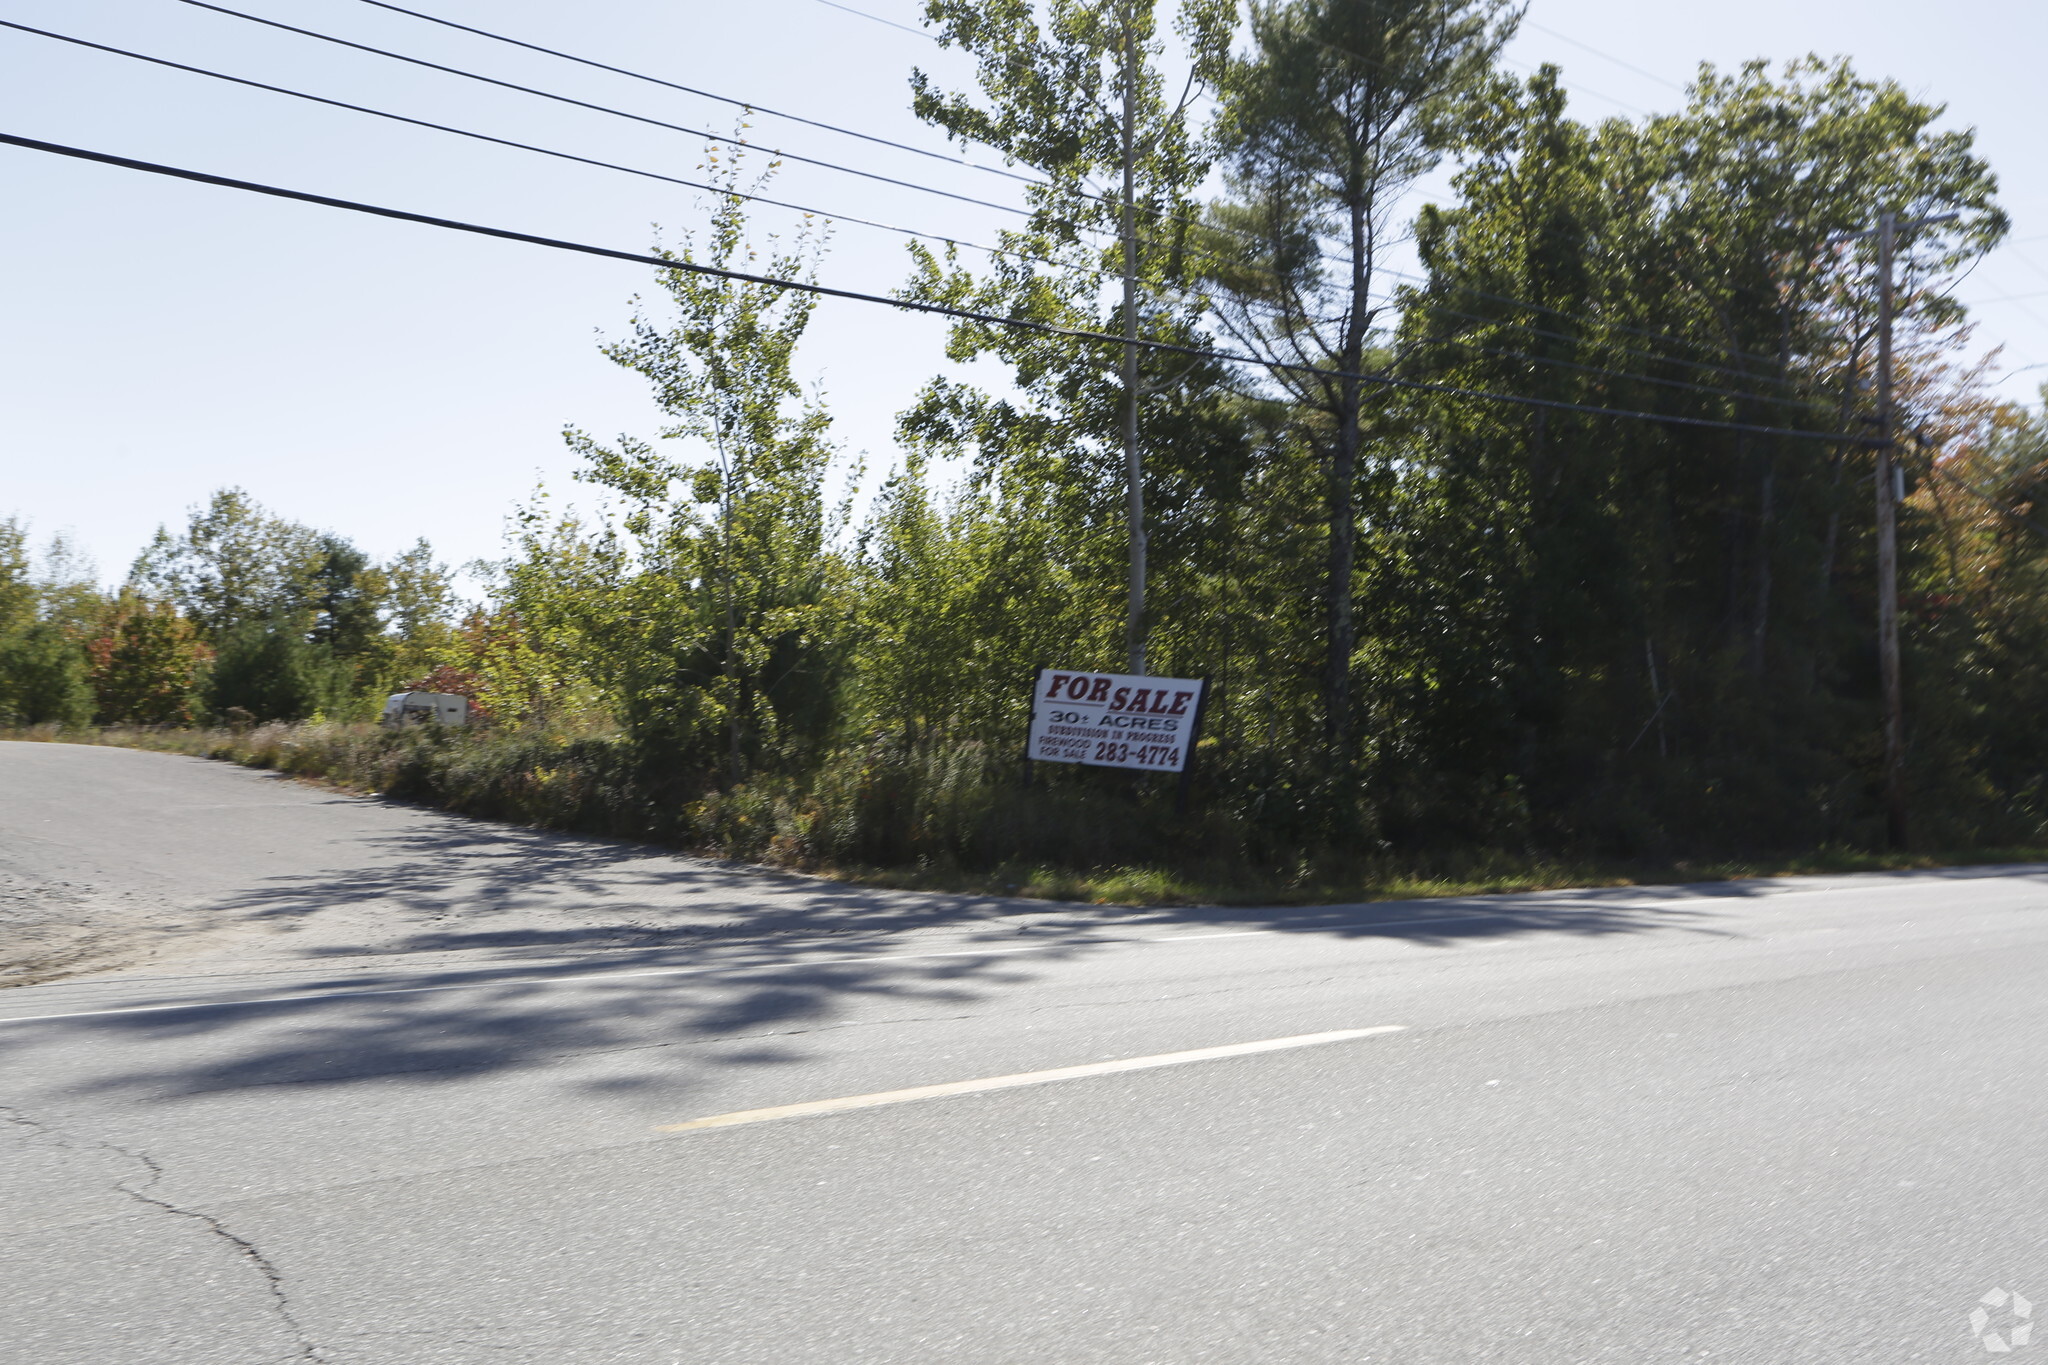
(401, 1090)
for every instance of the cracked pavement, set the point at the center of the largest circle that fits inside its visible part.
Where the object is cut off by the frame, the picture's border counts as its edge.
(389, 1092)
(65, 1172)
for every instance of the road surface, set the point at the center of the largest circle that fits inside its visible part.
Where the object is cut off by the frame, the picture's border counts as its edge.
(401, 1089)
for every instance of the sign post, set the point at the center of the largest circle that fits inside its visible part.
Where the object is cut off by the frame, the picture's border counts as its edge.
(1114, 720)
(1187, 772)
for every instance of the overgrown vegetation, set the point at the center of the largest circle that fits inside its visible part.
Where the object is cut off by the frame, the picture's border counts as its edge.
(1452, 639)
(874, 819)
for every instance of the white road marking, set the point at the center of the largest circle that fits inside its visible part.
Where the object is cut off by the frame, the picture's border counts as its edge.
(1197, 938)
(1064, 1073)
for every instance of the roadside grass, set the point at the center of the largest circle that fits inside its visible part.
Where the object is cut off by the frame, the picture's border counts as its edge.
(1416, 877)
(884, 822)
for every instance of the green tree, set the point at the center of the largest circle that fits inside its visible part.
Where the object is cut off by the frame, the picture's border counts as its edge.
(1335, 113)
(346, 594)
(149, 668)
(235, 562)
(421, 593)
(1656, 629)
(419, 620)
(18, 596)
(1088, 96)
(47, 607)
(958, 599)
(269, 670)
(43, 678)
(712, 608)
(68, 588)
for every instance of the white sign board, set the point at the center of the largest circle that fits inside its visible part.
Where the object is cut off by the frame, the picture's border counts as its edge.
(1114, 720)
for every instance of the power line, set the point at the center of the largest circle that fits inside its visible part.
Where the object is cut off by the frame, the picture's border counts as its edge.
(912, 305)
(1595, 320)
(748, 105)
(521, 146)
(1396, 274)
(1356, 55)
(2004, 298)
(1587, 318)
(726, 191)
(1419, 305)
(1196, 222)
(1370, 61)
(869, 137)
(917, 32)
(606, 109)
(717, 189)
(1592, 319)
(1443, 310)
(730, 192)
(1577, 89)
(721, 190)
(1616, 374)
(2027, 261)
(1996, 504)
(203, 4)
(921, 33)
(946, 157)
(1604, 56)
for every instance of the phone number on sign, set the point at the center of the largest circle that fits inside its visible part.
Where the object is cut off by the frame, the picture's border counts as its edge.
(1144, 755)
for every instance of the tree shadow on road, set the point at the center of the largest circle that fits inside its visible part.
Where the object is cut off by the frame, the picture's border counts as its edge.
(564, 947)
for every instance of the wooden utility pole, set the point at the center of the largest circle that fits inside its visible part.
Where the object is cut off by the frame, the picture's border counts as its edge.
(1134, 470)
(1888, 550)
(1888, 485)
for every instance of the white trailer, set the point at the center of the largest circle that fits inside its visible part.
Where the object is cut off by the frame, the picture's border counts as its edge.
(425, 708)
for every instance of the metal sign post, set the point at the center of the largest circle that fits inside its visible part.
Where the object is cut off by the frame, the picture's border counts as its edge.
(1187, 772)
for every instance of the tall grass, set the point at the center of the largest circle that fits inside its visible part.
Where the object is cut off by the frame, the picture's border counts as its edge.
(878, 805)
(952, 817)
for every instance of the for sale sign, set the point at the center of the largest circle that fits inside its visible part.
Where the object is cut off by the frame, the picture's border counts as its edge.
(1114, 720)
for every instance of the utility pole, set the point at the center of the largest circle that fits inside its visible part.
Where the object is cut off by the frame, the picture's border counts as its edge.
(1888, 484)
(1134, 471)
(1888, 550)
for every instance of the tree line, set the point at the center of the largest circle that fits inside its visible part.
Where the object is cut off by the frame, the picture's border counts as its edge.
(241, 616)
(1630, 611)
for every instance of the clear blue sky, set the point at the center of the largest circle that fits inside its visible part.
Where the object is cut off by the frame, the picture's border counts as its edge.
(159, 340)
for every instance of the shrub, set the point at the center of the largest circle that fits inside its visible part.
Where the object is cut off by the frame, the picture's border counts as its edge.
(273, 672)
(43, 679)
